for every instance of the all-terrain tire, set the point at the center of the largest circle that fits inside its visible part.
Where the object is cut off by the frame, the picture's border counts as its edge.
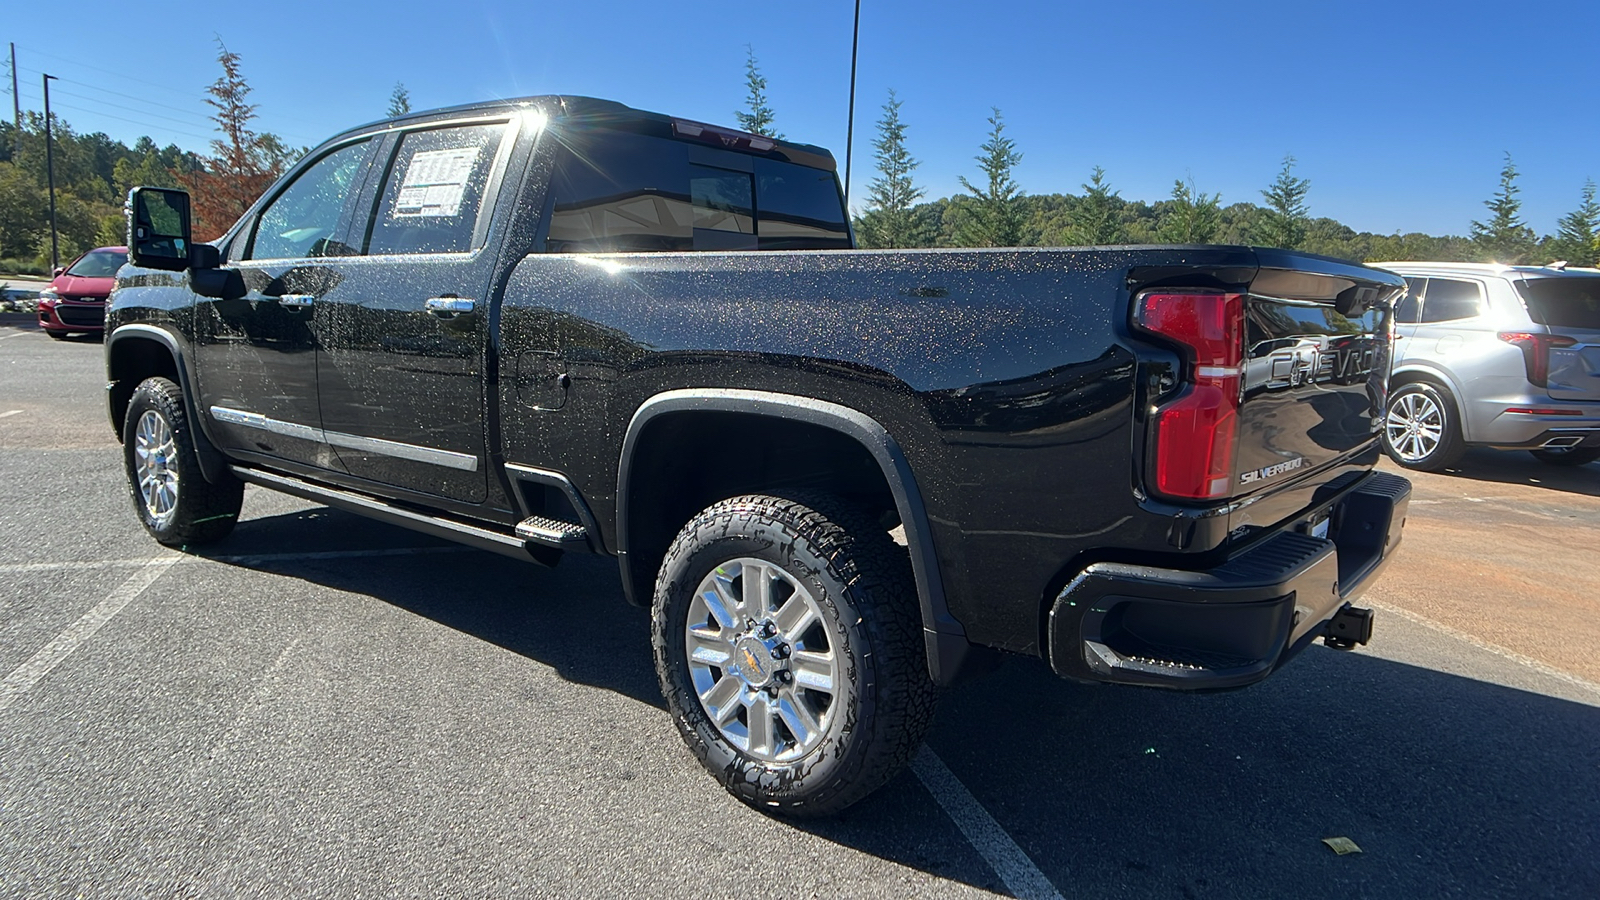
(182, 507)
(1436, 443)
(865, 598)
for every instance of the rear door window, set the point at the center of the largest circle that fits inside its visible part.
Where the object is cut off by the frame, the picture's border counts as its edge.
(433, 195)
(1448, 300)
(1568, 301)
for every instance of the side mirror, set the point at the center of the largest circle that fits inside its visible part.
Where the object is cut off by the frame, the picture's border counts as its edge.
(158, 228)
(56, 272)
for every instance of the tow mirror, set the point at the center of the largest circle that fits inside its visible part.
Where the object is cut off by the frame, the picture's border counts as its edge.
(158, 228)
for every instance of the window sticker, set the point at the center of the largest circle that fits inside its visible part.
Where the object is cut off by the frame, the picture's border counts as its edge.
(435, 182)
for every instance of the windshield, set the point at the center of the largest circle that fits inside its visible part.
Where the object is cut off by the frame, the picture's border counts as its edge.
(99, 264)
(1567, 301)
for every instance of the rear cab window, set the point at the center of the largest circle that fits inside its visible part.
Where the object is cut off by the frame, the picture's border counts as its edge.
(621, 192)
(1568, 301)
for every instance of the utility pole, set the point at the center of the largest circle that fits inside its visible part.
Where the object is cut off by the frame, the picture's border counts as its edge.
(850, 122)
(50, 175)
(16, 98)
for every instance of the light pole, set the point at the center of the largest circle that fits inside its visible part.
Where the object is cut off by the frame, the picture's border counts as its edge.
(850, 122)
(50, 175)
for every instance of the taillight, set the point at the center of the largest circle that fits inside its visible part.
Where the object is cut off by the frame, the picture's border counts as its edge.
(1196, 432)
(1536, 352)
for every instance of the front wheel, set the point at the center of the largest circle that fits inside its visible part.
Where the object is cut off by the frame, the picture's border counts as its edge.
(1421, 430)
(1571, 456)
(170, 494)
(788, 643)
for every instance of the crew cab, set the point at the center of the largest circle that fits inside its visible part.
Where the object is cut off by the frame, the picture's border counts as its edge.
(840, 479)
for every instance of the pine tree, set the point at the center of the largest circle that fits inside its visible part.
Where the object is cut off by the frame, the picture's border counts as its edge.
(1504, 238)
(889, 221)
(1095, 219)
(1191, 217)
(1284, 224)
(759, 119)
(399, 100)
(994, 216)
(242, 163)
(1578, 232)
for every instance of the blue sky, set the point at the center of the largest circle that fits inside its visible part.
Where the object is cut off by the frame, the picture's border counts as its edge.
(1398, 112)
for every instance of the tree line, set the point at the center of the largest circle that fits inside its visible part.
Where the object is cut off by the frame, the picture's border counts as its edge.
(94, 173)
(994, 211)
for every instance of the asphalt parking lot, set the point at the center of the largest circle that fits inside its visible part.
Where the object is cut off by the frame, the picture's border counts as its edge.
(327, 706)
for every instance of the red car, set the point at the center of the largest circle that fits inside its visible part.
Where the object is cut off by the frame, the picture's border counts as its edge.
(76, 300)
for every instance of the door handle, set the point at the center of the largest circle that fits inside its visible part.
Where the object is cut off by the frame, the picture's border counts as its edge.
(296, 301)
(449, 305)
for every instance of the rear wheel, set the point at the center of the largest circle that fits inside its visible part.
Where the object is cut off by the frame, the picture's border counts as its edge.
(1570, 456)
(788, 643)
(1421, 430)
(170, 494)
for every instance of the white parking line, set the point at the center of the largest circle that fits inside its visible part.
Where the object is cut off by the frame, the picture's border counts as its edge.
(25, 676)
(249, 560)
(9, 413)
(1496, 649)
(1021, 877)
(6, 337)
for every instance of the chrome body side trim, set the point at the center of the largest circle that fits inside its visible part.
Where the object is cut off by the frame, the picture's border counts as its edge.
(447, 458)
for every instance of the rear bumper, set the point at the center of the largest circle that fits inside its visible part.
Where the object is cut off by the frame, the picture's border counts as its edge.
(1233, 625)
(1529, 431)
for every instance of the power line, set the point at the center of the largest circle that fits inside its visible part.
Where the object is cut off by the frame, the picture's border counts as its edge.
(146, 101)
(197, 119)
(80, 97)
(122, 76)
(132, 121)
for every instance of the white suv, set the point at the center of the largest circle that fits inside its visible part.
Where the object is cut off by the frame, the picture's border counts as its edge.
(1496, 356)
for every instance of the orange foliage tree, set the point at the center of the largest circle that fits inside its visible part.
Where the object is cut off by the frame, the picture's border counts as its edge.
(242, 163)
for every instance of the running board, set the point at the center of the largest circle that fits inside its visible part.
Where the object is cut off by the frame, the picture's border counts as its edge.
(472, 535)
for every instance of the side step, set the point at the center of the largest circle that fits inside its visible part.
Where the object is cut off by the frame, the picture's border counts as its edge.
(514, 546)
(558, 533)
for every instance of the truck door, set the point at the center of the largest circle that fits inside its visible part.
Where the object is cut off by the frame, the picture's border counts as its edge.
(402, 360)
(257, 358)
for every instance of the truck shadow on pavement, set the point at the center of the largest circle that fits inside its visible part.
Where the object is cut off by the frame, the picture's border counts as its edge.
(1519, 467)
(1451, 786)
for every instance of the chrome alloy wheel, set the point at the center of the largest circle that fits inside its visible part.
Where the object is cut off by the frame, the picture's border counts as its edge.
(155, 465)
(762, 659)
(1415, 426)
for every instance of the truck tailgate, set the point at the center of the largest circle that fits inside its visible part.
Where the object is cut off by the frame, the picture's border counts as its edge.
(1316, 365)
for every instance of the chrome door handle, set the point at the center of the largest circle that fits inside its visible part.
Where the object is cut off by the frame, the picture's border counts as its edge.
(452, 305)
(296, 301)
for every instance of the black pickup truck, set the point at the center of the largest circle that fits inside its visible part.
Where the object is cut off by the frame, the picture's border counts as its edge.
(840, 478)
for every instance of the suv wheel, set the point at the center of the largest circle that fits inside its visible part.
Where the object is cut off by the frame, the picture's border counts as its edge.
(788, 643)
(1421, 430)
(173, 499)
(1572, 456)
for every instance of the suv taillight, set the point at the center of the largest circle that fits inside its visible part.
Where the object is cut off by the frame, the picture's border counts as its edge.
(1536, 352)
(1195, 433)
